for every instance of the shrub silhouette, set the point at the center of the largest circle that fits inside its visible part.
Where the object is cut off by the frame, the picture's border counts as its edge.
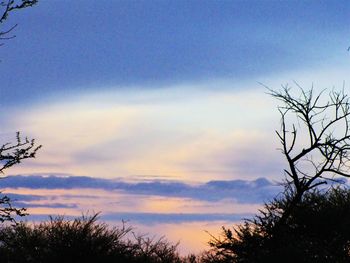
(317, 230)
(81, 240)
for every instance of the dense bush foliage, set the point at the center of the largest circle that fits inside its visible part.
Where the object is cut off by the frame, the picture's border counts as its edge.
(317, 230)
(81, 240)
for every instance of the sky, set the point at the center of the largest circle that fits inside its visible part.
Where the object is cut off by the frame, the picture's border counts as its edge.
(162, 103)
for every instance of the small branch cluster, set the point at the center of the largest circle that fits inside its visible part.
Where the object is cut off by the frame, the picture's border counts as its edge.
(5, 8)
(8, 213)
(14, 153)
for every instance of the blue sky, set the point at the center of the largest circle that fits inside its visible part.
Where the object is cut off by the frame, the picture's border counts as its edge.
(65, 47)
(165, 93)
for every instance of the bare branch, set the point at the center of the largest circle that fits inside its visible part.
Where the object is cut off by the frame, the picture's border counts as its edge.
(8, 6)
(326, 124)
(11, 154)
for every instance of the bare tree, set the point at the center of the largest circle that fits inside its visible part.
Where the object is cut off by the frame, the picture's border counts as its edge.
(315, 138)
(304, 223)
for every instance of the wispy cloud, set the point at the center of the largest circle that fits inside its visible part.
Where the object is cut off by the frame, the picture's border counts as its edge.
(194, 138)
(140, 201)
(155, 218)
(242, 191)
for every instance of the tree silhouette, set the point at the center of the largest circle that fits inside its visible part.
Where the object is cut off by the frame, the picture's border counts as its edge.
(316, 144)
(303, 224)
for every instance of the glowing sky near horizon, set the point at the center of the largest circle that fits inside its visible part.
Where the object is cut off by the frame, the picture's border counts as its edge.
(162, 90)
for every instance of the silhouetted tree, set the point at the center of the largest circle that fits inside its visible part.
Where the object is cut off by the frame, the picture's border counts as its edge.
(316, 142)
(303, 224)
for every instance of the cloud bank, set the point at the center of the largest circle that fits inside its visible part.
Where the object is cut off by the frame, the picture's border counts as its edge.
(242, 191)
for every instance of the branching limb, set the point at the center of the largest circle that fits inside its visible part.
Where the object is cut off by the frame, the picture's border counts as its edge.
(11, 154)
(318, 148)
(8, 6)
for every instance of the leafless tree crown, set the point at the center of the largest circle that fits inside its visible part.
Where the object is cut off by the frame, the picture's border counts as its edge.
(322, 153)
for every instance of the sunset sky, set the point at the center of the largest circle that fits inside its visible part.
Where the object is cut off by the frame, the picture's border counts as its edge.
(154, 111)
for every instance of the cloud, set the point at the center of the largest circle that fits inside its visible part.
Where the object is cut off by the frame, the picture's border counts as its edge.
(23, 197)
(147, 201)
(255, 191)
(43, 205)
(187, 132)
(155, 218)
(164, 133)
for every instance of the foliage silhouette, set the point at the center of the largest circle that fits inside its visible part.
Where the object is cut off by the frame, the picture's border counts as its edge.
(82, 240)
(317, 230)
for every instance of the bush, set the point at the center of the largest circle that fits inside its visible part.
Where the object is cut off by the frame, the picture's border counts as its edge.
(80, 240)
(317, 230)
